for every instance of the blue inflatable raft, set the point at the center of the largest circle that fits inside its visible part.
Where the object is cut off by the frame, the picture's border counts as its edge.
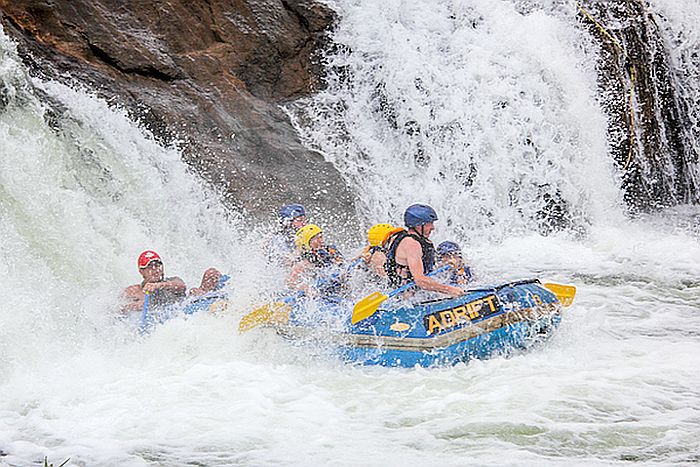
(213, 302)
(482, 323)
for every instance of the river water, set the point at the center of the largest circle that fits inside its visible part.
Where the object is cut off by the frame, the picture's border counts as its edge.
(484, 109)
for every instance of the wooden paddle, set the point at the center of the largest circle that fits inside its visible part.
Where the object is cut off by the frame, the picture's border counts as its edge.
(565, 293)
(369, 305)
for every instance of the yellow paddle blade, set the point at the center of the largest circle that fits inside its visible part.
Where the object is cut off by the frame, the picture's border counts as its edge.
(280, 313)
(367, 306)
(565, 293)
(270, 313)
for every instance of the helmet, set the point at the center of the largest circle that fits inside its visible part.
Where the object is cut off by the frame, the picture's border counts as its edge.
(305, 234)
(290, 211)
(419, 214)
(146, 257)
(378, 233)
(445, 248)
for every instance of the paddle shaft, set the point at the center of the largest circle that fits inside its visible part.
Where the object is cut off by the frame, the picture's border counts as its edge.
(144, 314)
(369, 305)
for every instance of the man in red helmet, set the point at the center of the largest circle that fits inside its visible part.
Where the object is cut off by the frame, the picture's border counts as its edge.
(162, 290)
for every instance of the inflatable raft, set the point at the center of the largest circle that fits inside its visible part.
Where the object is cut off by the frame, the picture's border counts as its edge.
(213, 302)
(482, 323)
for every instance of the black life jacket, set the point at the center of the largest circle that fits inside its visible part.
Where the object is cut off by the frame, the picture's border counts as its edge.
(399, 274)
(323, 257)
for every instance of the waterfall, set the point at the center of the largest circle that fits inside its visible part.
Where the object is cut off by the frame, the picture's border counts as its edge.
(681, 37)
(483, 110)
(83, 190)
(487, 109)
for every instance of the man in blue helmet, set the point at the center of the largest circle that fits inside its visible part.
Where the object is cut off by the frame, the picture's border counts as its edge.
(281, 250)
(411, 255)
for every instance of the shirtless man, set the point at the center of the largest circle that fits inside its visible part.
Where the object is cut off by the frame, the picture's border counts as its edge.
(162, 290)
(411, 255)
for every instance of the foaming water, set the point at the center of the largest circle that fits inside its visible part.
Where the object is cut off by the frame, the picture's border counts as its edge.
(682, 39)
(486, 113)
(83, 190)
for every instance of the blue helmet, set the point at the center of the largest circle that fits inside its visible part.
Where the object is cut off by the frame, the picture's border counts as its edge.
(419, 214)
(445, 248)
(290, 211)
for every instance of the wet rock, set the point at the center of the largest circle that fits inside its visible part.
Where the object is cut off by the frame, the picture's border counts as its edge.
(554, 214)
(4, 96)
(208, 74)
(649, 129)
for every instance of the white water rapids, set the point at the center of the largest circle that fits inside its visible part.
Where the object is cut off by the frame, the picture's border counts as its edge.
(484, 109)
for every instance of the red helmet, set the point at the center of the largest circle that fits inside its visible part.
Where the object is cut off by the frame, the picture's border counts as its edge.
(146, 257)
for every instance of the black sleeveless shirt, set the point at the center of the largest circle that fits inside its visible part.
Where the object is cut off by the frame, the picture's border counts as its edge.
(327, 255)
(399, 274)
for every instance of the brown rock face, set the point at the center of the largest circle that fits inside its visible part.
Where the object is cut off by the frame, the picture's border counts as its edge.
(211, 73)
(649, 130)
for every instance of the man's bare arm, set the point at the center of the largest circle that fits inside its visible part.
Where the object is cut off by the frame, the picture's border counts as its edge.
(175, 284)
(414, 259)
(132, 299)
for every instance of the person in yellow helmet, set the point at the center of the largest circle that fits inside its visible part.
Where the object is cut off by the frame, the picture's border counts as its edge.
(316, 262)
(374, 254)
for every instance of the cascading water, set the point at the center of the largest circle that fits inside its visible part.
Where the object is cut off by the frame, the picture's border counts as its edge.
(82, 192)
(486, 110)
(471, 106)
(682, 41)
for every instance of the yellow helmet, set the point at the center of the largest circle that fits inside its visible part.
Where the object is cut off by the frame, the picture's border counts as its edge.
(377, 233)
(305, 234)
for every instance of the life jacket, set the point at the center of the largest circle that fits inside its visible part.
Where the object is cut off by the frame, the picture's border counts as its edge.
(399, 274)
(460, 276)
(324, 259)
(325, 256)
(164, 297)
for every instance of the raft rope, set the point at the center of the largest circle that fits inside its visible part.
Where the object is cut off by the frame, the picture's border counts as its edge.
(633, 79)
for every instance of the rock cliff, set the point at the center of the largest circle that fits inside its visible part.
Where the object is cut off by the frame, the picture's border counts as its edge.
(649, 130)
(209, 74)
